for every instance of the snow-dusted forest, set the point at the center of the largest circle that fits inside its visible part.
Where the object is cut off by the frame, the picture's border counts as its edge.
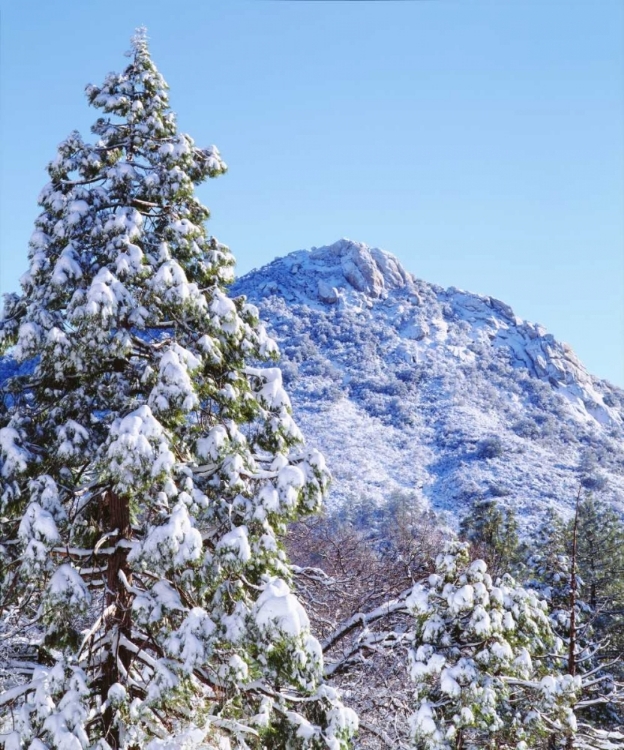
(179, 569)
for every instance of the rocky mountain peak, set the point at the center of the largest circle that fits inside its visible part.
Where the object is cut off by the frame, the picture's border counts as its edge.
(426, 320)
(333, 272)
(439, 393)
(368, 270)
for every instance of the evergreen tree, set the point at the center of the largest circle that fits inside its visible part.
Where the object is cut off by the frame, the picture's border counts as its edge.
(600, 698)
(548, 562)
(591, 542)
(147, 469)
(478, 662)
(600, 560)
(493, 531)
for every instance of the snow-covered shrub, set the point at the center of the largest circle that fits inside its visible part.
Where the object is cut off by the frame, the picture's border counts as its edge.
(490, 447)
(526, 428)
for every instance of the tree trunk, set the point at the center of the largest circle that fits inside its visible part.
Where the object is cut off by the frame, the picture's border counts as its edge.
(572, 641)
(119, 622)
(573, 633)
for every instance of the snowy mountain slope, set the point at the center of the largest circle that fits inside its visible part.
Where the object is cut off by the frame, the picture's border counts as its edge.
(437, 394)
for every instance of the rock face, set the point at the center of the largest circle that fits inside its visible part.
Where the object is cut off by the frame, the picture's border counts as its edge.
(400, 381)
(346, 265)
(367, 270)
(327, 293)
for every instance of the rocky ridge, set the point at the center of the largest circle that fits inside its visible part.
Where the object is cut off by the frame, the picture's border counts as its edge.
(440, 394)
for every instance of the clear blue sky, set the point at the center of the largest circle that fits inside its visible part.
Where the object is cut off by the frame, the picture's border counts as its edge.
(481, 142)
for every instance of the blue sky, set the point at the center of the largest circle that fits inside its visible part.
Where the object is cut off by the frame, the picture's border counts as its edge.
(481, 142)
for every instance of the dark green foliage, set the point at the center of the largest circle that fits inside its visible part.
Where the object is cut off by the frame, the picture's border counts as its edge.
(601, 566)
(492, 529)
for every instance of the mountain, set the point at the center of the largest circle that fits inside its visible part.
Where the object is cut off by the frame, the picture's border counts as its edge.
(436, 395)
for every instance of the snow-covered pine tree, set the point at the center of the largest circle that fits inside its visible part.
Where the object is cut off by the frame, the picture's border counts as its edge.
(600, 696)
(147, 468)
(478, 662)
(600, 560)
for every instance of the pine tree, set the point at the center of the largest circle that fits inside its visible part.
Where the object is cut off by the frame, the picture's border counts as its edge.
(148, 466)
(548, 564)
(478, 662)
(559, 579)
(600, 557)
(599, 560)
(493, 531)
